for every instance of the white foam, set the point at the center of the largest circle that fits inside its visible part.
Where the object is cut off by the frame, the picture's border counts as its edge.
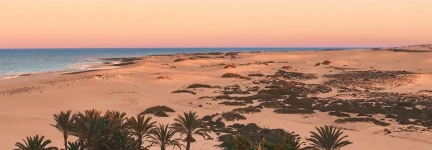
(6, 77)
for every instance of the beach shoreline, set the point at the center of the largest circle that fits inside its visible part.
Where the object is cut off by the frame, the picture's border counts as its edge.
(113, 62)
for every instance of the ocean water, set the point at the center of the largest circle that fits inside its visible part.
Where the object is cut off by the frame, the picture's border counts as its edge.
(20, 61)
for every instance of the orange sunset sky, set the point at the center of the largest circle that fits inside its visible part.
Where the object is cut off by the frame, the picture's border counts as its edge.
(213, 23)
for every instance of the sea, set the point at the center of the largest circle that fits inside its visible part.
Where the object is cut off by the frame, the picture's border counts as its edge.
(14, 62)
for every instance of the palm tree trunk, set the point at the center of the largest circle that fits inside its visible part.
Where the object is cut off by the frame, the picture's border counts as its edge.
(188, 145)
(140, 142)
(65, 144)
(162, 147)
(65, 136)
(189, 139)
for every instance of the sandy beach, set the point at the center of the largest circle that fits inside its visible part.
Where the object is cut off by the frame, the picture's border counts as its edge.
(27, 103)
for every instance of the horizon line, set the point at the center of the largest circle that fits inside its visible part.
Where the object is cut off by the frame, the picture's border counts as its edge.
(193, 47)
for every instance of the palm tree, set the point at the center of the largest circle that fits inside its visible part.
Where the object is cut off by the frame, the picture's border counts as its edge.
(163, 136)
(188, 125)
(140, 127)
(33, 143)
(115, 126)
(290, 142)
(115, 117)
(118, 136)
(238, 142)
(74, 146)
(64, 123)
(90, 128)
(328, 138)
(260, 144)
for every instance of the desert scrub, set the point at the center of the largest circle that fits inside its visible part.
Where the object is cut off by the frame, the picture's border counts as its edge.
(161, 114)
(180, 59)
(247, 110)
(234, 75)
(293, 111)
(338, 114)
(256, 75)
(371, 120)
(230, 66)
(231, 116)
(272, 104)
(235, 92)
(231, 54)
(184, 91)
(205, 97)
(295, 75)
(199, 86)
(369, 79)
(159, 111)
(233, 103)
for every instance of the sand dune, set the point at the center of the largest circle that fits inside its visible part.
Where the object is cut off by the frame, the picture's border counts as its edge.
(132, 89)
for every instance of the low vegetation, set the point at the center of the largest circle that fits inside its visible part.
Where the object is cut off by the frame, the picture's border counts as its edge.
(230, 66)
(371, 120)
(184, 91)
(235, 92)
(159, 111)
(294, 75)
(193, 86)
(338, 114)
(256, 75)
(205, 97)
(180, 59)
(293, 111)
(231, 54)
(247, 110)
(232, 116)
(272, 104)
(234, 75)
(286, 67)
(369, 79)
(234, 103)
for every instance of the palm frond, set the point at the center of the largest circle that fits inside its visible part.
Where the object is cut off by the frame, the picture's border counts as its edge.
(163, 135)
(328, 138)
(33, 143)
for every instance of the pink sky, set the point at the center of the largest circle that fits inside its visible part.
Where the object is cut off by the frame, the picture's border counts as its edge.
(213, 23)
